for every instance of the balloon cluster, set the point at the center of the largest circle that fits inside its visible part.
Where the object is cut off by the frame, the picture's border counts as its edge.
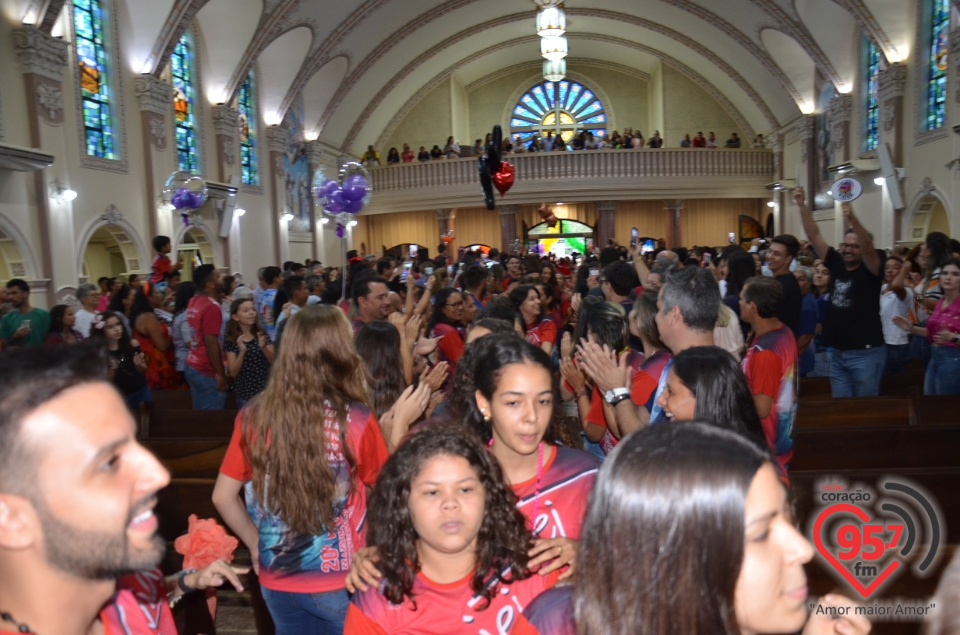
(185, 192)
(345, 196)
(495, 172)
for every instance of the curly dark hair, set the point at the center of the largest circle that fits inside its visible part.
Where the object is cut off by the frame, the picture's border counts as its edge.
(502, 542)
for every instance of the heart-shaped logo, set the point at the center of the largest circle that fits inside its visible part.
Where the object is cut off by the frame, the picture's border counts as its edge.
(854, 542)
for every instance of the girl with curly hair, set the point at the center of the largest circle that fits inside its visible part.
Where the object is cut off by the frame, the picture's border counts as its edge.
(302, 451)
(127, 364)
(453, 547)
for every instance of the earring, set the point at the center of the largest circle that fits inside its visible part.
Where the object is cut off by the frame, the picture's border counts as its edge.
(486, 417)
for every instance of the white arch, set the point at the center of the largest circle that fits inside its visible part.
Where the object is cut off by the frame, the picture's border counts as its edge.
(111, 216)
(29, 257)
(212, 239)
(928, 189)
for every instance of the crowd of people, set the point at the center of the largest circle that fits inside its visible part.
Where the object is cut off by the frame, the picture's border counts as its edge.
(582, 140)
(496, 442)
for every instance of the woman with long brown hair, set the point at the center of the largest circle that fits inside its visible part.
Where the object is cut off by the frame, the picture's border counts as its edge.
(303, 450)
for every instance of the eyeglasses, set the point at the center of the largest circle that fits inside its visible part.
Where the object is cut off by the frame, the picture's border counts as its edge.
(843, 246)
(603, 281)
(455, 305)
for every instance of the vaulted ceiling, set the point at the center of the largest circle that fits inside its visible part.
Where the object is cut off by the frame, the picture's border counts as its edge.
(360, 62)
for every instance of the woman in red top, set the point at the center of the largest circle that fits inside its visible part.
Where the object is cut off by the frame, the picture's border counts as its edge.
(154, 338)
(304, 450)
(446, 324)
(541, 331)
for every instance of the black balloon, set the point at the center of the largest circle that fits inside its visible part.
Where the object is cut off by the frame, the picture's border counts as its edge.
(486, 184)
(489, 164)
(494, 148)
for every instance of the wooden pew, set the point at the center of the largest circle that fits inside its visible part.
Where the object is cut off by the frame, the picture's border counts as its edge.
(190, 424)
(826, 412)
(189, 458)
(163, 400)
(938, 410)
(891, 447)
(179, 499)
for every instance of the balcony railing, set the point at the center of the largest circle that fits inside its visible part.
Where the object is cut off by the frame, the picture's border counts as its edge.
(585, 175)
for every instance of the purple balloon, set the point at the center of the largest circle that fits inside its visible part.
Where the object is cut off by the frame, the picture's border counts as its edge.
(340, 230)
(196, 200)
(183, 190)
(352, 207)
(328, 188)
(355, 187)
(333, 207)
(177, 201)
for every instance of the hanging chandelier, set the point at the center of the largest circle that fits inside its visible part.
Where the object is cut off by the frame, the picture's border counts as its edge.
(554, 70)
(551, 20)
(553, 47)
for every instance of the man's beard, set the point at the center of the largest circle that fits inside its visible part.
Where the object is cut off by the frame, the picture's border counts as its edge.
(95, 555)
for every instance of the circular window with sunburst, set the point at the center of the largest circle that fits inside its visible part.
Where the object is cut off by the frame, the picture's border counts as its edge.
(565, 108)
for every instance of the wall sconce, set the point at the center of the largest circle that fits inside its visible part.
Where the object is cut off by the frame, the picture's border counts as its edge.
(238, 212)
(60, 193)
(324, 221)
(352, 223)
(287, 217)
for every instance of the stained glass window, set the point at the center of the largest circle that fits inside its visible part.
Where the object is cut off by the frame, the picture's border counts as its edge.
(936, 64)
(182, 74)
(566, 108)
(871, 72)
(246, 104)
(95, 92)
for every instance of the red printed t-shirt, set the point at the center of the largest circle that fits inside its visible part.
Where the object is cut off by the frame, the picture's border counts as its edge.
(444, 608)
(568, 476)
(205, 317)
(299, 563)
(551, 613)
(771, 369)
(139, 607)
(541, 330)
(450, 346)
(161, 265)
(944, 319)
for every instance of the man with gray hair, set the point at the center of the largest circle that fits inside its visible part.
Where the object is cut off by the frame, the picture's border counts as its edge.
(89, 296)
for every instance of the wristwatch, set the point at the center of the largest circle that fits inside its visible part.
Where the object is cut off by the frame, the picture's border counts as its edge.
(616, 395)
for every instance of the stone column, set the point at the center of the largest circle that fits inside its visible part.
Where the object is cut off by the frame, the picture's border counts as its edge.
(508, 226)
(841, 108)
(314, 153)
(781, 196)
(42, 59)
(672, 209)
(605, 223)
(276, 145)
(445, 220)
(154, 97)
(226, 122)
(805, 128)
(892, 86)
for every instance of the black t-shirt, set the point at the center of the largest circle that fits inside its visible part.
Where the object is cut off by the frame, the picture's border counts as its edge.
(853, 315)
(254, 371)
(792, 301)
(126, 376)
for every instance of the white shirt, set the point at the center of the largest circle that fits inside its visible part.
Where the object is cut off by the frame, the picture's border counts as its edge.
(84, 322)
(891, 306)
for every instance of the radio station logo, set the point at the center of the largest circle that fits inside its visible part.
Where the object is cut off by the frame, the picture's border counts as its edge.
(867, 536)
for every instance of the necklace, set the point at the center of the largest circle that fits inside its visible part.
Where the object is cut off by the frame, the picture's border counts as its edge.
(21, 628)
(536, 491)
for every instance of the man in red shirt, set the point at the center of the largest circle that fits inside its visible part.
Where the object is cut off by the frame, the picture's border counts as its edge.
(204, 370)
(161, 262)
(77, 498)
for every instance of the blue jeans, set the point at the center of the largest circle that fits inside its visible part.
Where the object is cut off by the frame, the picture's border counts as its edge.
(133, 400)
(307, 613)
(943, 372)
(857, 373)
(203, 390)
(897, 356)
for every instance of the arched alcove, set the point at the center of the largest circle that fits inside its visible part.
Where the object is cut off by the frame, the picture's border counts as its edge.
(929, 211)
(132, 249)
(196, 244)
(563, 238)
(17, 259)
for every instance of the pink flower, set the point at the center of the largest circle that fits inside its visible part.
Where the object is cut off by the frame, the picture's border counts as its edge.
(205, 542)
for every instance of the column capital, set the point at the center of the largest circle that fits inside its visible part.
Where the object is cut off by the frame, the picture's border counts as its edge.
(805, 127)
(606, 206)
(154, 95)
(892, 82)
(277, 139)
(314, 152)
(673, 204)
(226, 120)
(39, 53)
(506, 210)
(445, 214)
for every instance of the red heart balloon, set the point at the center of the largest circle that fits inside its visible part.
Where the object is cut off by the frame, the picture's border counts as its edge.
(503, 180)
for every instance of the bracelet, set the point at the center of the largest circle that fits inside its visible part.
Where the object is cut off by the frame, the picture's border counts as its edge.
(183, 585)
(579, 393)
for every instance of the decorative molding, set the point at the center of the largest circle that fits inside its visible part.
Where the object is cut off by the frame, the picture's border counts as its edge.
(226, 120)
(277, 139)
(153, 95)
(445, 214)
(869, 25)
(158, 133)
(50, 100)
(605, 206)
(229, 148)
(927, 187)
(506, 210)
(892, 82)
(111, 215)
(841, 108)
(41, 54)
(314, 152)
(571, 61)
(805, 127)
(178, 21)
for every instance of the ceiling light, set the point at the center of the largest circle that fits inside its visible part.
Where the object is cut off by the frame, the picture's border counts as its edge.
(551, 20)
(61, 193)
(554, 70)
(324, 221)
(879, 180)
(553, 48)
(771, 204)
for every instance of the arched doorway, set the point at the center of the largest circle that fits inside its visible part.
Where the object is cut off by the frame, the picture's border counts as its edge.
(195, 249)
(928, 212)
(109, 253)
(16, 258)
(563, 239)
